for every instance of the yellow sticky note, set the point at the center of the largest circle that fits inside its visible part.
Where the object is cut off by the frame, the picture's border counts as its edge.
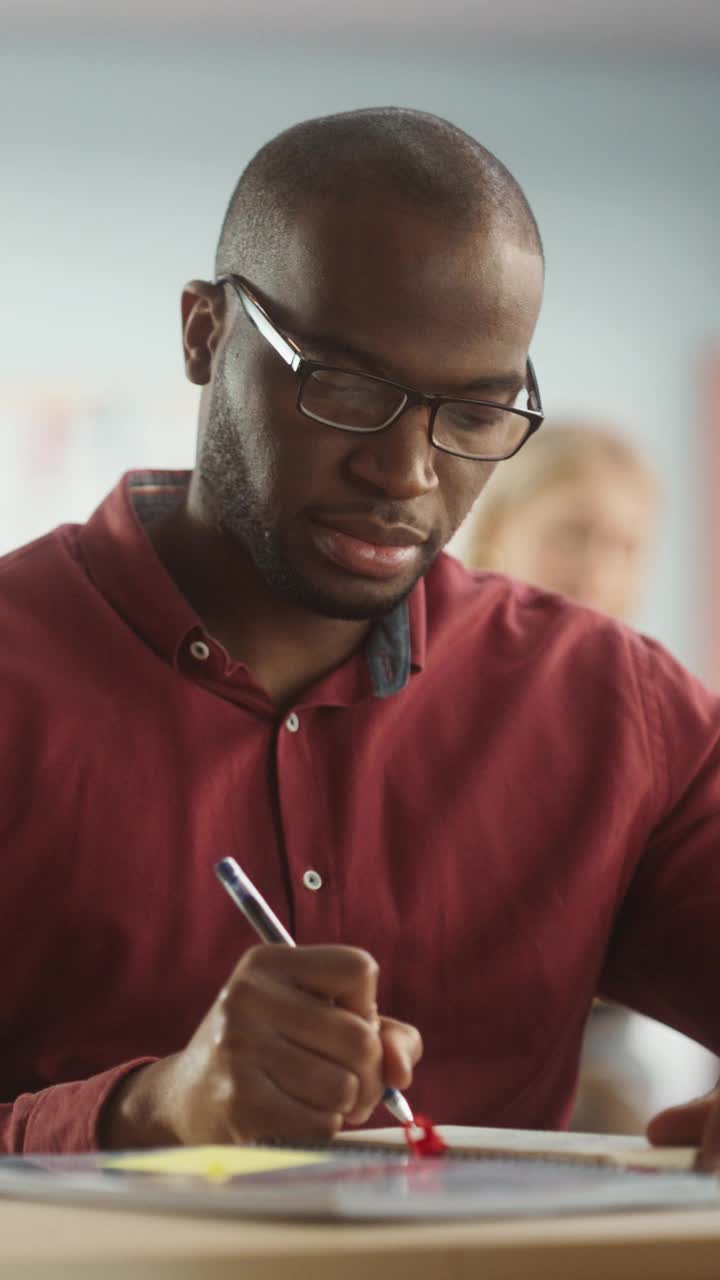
(213, 1162)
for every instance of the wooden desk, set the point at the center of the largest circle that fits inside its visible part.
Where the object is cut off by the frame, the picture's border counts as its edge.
(51, 1242)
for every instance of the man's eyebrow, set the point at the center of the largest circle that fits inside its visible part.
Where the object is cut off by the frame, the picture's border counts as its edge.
(318, 344)
(503, 383)
(337, 349)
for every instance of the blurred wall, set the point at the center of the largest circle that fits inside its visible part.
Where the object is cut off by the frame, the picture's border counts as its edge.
(118, 161)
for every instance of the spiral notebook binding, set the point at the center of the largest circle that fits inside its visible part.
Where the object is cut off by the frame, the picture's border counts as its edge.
(358, 1148)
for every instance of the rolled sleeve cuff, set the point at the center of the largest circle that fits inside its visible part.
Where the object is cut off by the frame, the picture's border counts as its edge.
(65, 1117)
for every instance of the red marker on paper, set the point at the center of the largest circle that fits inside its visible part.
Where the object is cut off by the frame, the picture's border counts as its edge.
(428, 1142)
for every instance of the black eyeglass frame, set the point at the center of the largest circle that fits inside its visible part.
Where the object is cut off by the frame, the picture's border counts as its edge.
(290, 352)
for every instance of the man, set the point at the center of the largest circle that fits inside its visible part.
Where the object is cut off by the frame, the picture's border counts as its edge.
(474, 804)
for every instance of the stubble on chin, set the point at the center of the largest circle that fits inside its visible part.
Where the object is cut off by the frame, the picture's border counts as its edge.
(229, 483)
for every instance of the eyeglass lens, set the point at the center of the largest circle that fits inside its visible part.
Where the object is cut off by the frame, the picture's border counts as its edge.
(343, 399)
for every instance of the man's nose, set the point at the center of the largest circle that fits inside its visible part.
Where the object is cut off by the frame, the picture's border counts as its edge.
(400, 460)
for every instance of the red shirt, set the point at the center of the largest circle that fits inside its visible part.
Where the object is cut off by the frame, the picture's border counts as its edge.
(511, 801)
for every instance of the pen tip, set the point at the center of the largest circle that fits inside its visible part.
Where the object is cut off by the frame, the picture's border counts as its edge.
(398, 1106)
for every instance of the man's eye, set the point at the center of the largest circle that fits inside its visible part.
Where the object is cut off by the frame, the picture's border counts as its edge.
(341, 383)
(329, 378)
(472, 417)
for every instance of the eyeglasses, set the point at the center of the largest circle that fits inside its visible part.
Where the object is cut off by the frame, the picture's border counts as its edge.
(480, 430)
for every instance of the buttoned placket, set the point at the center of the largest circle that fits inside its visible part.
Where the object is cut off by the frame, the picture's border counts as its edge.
(302, 805)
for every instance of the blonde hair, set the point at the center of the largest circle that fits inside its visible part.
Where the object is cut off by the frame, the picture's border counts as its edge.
(559, 452)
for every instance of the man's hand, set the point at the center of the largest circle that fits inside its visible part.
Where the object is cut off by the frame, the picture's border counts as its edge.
(292, 1048)
(694, 1124)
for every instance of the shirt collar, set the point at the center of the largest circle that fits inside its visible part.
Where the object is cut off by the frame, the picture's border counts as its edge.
(123, 564)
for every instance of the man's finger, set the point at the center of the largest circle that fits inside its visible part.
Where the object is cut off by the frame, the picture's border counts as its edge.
(681, 1126)
(320, 1026)
(708, 1157)
(346, 975)
(310, 1079)
(402, 1050)
(270, 1113)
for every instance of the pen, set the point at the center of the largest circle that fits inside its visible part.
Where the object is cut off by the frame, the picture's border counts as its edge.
(268, 927)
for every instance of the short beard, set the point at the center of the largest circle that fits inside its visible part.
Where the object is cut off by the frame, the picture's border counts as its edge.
(227, 481)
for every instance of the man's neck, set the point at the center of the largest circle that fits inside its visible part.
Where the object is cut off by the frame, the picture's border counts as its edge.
(286, 648)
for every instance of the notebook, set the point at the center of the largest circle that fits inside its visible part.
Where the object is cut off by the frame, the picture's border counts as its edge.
(370, 1176)
(617, 1150)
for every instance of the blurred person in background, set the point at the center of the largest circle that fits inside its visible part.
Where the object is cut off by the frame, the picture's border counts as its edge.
(577, 512)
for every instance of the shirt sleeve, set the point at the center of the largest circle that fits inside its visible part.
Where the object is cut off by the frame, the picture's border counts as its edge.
(63, 1118)
(664, 952)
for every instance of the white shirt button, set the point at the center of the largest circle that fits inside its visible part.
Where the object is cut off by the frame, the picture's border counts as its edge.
(200, 650)
(312, 880)
(292, 724)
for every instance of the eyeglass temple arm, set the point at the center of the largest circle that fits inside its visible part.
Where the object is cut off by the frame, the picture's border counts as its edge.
(534, 401)
(255, 314)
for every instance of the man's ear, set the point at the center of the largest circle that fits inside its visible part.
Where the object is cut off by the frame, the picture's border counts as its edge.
(203, 315)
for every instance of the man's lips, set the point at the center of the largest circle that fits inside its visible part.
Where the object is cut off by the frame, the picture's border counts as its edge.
(378, 533)
(367, 547)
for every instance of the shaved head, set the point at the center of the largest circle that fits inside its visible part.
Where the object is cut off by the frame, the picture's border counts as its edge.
(437, 169)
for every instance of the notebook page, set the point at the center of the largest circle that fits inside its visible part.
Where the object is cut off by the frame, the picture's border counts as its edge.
(618, 1150)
